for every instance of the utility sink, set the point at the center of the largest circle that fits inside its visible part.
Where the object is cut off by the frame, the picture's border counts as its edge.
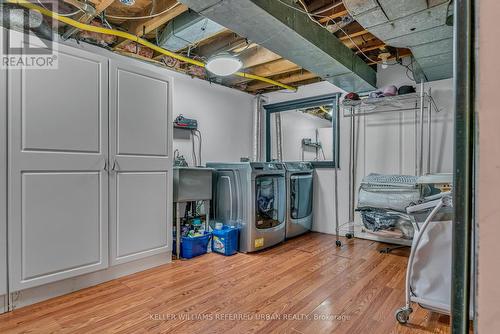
(192, 184)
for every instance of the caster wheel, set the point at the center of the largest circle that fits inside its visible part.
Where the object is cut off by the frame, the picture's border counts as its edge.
(338, 243)
(349, 235)
(403, 315)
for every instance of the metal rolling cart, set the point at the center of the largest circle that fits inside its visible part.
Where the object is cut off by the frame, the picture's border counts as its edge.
(420, 103)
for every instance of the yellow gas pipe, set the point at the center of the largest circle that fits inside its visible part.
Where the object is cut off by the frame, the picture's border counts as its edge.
(87, 27)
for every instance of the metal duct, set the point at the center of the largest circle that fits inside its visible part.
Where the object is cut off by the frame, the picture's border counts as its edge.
(419, 25)
(292, 35)
(16, 18)
(187, 29)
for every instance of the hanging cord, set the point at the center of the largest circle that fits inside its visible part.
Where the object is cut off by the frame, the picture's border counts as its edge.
(60, 14)
(200, 141)
(197, 135)
(195, 162)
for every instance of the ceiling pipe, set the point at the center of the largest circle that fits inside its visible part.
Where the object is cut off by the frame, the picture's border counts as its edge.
(125, 35)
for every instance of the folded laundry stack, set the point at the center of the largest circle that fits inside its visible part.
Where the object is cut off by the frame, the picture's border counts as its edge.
(383, 200)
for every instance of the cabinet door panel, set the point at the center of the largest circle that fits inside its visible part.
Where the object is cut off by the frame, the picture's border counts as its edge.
(142, 104)
(3, 187)
(65, 205)
(141, 212)
(58, 147)
(140, 153)
(69, 120)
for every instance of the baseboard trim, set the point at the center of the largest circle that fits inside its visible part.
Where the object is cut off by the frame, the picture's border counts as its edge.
(40, 293)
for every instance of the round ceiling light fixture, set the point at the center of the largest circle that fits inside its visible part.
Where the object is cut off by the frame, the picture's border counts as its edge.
(223, 64)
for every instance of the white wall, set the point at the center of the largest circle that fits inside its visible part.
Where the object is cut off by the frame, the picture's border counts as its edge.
(224, 118)
(386, 144)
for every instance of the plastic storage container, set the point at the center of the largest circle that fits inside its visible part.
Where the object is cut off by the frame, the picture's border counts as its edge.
(225, 240)
(194, 246)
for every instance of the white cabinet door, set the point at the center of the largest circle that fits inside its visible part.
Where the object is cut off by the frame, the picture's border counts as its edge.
(3, 188)
(58, 185)
(140, 160)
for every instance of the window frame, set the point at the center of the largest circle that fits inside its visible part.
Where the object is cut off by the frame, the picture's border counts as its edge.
(327, 99)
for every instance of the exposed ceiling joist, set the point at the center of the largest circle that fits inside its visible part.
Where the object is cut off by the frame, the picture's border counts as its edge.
(338, 12)
(274, 67)
(300, 76)
(257, 56)
(323, 6)
(223, 43)
(292, 35)
(100, 6)
(144, 26)
(271, 68)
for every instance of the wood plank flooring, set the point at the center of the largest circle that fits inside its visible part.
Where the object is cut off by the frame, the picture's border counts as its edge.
(306, 285)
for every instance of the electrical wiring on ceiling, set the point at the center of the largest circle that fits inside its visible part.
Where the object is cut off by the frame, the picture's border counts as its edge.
(136, 39)
(322, 10)
(310, 15)
(116, 17)
(61, 14)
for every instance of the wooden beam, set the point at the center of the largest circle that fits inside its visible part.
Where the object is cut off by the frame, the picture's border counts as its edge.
(378, 45)
(100, 6)
(225, 42)
(322, 6)
(257, 56)
(360, 41)
(271, 68)
(144, 26)
(274, 67)
(337, 12)
(356, 34)
(300, 76)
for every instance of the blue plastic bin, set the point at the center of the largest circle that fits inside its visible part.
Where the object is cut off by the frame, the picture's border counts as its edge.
(225, 241)
(194, 246)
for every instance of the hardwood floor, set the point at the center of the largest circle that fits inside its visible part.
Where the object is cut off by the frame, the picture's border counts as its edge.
(306, 285)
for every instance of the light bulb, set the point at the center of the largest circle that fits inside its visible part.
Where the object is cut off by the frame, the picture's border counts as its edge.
(223, 64)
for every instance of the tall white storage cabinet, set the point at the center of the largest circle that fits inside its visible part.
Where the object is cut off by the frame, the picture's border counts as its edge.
(140, 160)
(87, 172)
(58, 182)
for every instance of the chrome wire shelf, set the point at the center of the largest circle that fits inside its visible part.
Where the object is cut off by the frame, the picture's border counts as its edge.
(370, 106)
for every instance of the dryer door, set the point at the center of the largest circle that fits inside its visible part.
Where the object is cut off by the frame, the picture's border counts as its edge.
(301, 192)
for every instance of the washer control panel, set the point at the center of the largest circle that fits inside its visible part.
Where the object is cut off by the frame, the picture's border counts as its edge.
(267, 166)
(298, 166)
